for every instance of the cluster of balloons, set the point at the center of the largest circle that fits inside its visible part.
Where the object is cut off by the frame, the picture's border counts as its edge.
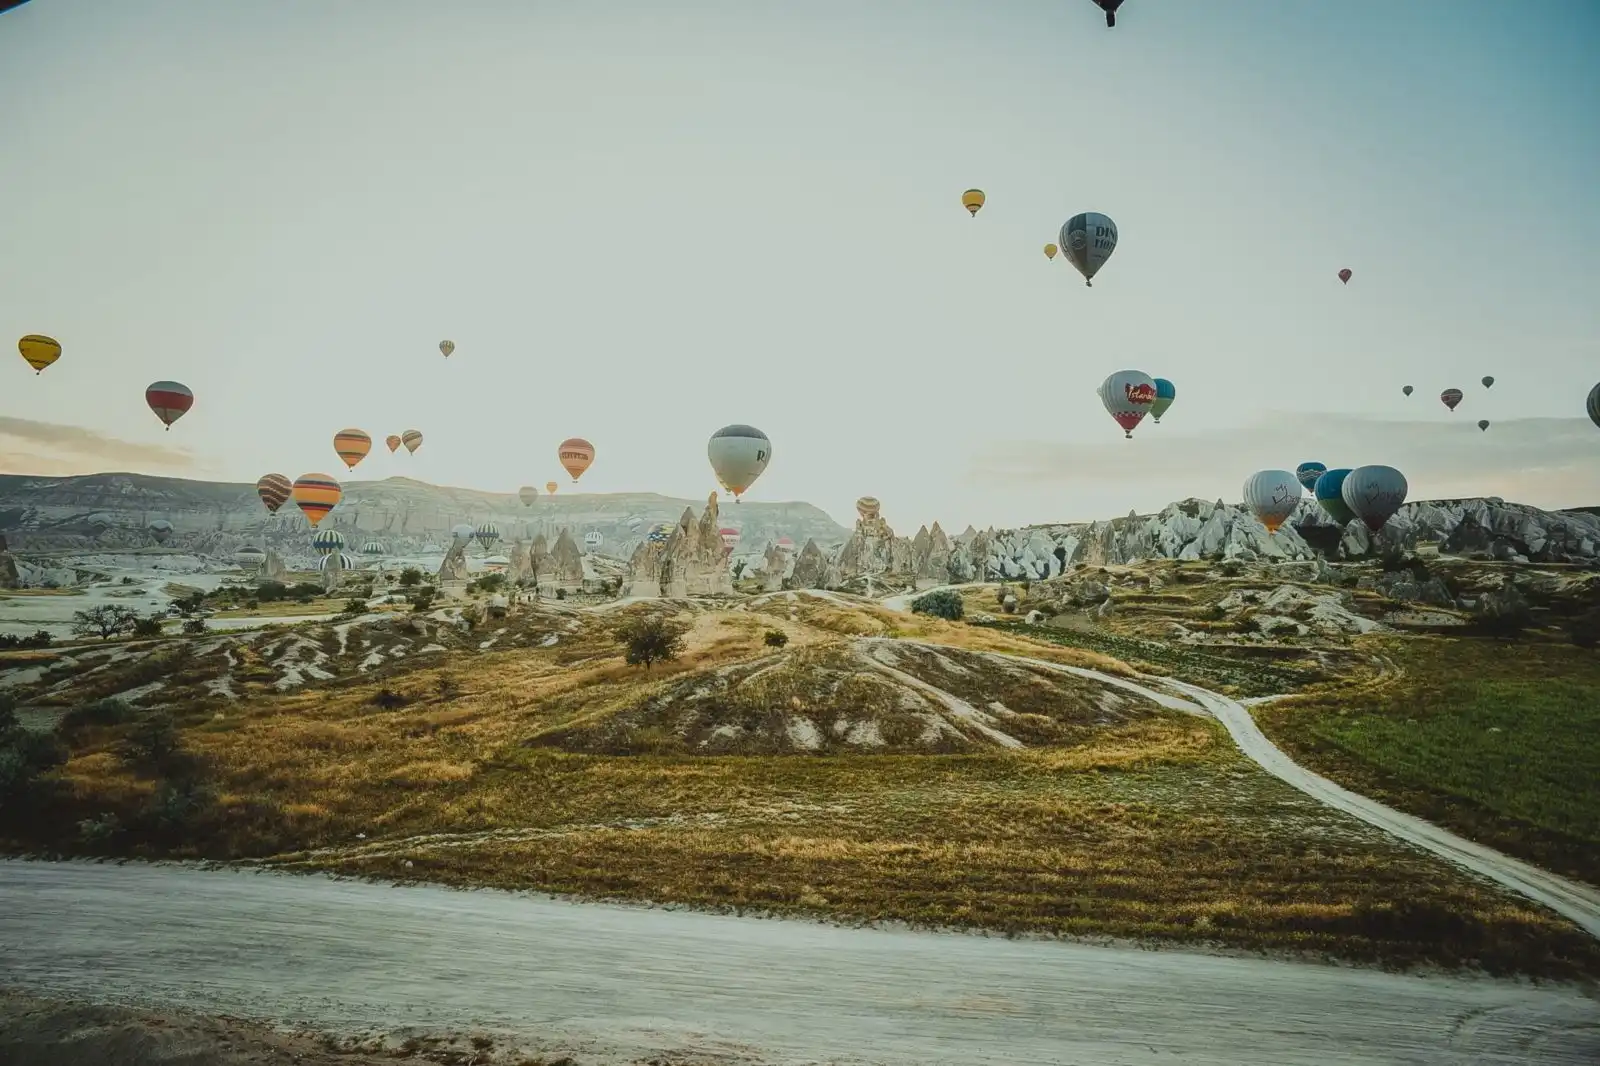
(1371, 493)
(1452, 397)
(1129, 395)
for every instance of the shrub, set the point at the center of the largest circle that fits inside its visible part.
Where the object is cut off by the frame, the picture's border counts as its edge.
(41, 639)
(488, 583)
(8, 713)
(127, 581)
(178, 804)
(738, 569)
(650, 640)
(194, 626)
(271, 591)
(109, 711)
(471, 615)
(354, 605)
(410, 576)
(1000, 594)
(24, 756)
(422, 599)
(944, 603)
(775, 638)
(153, 742)
(99, 830)
(147, 627)
(447, 687)
(390, 700)
(561, 594)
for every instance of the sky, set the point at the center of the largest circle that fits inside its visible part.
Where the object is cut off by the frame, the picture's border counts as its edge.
(642, 221)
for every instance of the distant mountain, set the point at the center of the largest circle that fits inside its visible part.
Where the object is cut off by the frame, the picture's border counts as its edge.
(97, 512)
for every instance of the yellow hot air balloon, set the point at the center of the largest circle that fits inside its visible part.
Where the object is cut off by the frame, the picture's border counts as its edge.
(352, 446)
(39, 351)
(392, 442)
(550, 487)
(972, 199)
(575, 454)
(317, 494)
(1050, 251)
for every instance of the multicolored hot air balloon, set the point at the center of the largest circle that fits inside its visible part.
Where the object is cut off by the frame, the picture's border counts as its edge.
(446, 347)
(527, 494)
(868, 507)
(1407, 389)
(1329, 491)
(40, 351)
(392, 442)
(1166, 392)
(1128, 396)
(352, 446)
(249, 558)
(1592, 405)
(161, 529)
(1050, 251)
(170, 400)
(730, 537)
(972, 200)
(274, 490)
(486, 535)
(659, 533)
(594, 538)
(1088, 241)
(1344, 276)
(327, 541)
(1488, 381)
(1272, 496)
(1450, 397)
(738, 455)
(1483, 423)
(1308, 473)
(412, 439)
(550, 488)
(316, 495)
(1374, 493)
(576, 455)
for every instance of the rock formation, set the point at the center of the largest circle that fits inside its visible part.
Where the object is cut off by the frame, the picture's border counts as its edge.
(810, 568)
(692, 561)
(454, 568)
(9, 578)
(333, 571)
(562, 569)
(519, 564)
(272, 569)
(773, 569)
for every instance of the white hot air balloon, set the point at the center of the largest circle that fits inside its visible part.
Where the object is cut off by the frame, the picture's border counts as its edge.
(249, 558)
(1128, 396)
(738, 455)
(1088, 240)
(1272, 496)
(462, 532)
(1374, 493)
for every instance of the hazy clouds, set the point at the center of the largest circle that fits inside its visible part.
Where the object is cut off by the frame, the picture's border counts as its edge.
(29, 447)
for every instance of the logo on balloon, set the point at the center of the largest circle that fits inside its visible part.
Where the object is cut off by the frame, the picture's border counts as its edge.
(1140, 393)
(1078, 240)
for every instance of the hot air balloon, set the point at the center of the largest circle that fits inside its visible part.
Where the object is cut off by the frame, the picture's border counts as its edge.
(1128, 396)
(1451, 397)
(868, 507)
(786, 544)
(738, 455)
(527, 494)
(336, 561)
(1483, 423)
(576, 454)
(274, 490)
(1407, 390)
(373, 548)
(659, 533)
(446, 347)
(352, 446)
(462, 532)
(1050, 251)
(169, 400)
(486, 535)
(40, 351)
(550, 488)
(392, 442)
(1110, 8)
(1592, 405)
(1329, 493)
(249, 558)
(316, 494)
(412, 439)
(1088, 241)
(1374, 493)
(1488, 381)
(1166, 392)
(730, 537)
(594, 538)
(161, 529)
(1272, 496)
(327, 541)
(1344, 276)
(1308, 473)
(972, 199)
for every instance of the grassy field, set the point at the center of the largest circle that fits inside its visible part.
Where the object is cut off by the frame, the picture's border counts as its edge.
(1498, 741)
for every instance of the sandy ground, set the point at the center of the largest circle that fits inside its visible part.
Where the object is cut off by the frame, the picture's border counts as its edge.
(609, 985)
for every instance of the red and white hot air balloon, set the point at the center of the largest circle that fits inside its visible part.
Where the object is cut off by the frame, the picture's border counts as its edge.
(730, 537)
(170, 400)
(1450, 397)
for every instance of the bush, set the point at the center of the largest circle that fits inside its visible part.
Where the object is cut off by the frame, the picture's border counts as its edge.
(109, 711)
(944, 603)
(1000, 594)
(127, 581)
(8, 713)
(99, 830)
(194, 626)
(447, 687)
(487, 583)
(24, 755)
(650, 640)
(105, 621)
(389, 700)
(561, 594)
(410, 576)
(354, 606)
(271, 591)
(153, 742)
(178, 804)
(40, 639)
(775, 638)
(422, 599)
(147, 627)
(471, 615)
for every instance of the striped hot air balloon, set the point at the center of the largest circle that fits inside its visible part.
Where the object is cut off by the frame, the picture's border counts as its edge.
(576, 455)
(352, 446)
(249, 558)
(274, 490)
(392, 442)
(412, 439)
(373, 547)
(486, 535)
(40, 351)
(317, 494)
(550, 487)
(170, 400)
(327, 541)
(336, 559)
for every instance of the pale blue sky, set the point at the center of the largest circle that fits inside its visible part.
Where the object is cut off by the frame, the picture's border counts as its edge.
(640, 221)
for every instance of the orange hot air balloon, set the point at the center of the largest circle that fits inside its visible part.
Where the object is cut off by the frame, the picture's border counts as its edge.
(352, 446)
(392, 442)
(412, 439)
(274, 490)
(317, 494)
(576, 454)
(550, 487)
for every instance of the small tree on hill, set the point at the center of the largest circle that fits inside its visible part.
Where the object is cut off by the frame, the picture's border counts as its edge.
(775, 638)
(944, 603)
(410, 576)
(650, 640)
(105, 621)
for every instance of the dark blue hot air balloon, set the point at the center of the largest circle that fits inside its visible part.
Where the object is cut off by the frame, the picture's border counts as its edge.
(1329, 489)
(1307, 474)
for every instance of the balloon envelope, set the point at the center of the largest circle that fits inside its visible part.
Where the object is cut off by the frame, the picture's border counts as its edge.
(550, 487)
(161, 529)
(868, 507)
(170, 400)
(730, 537)
(1128, 396)
(392, 442)
(327, 541)
(462, 532)
(1488, 380)
(1272, 496)
(1374, 493)
(1329, 493)
(575, 454)
(446, 347)
(1088, 241)
(487, 534)
(1050, 251)
(972, 199)
(274, 490)
(1592, 405)
(373, 547)
(1166, 392)
(1451, 397)
(1483, 423)
(1407, 390)
(527, 494)
(738, 455)
(316, 495)
(249, 557)
(40, 351)
(412, 439)
(1344, 276)
(1308, 473)
(352, 446)
(594, 538)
